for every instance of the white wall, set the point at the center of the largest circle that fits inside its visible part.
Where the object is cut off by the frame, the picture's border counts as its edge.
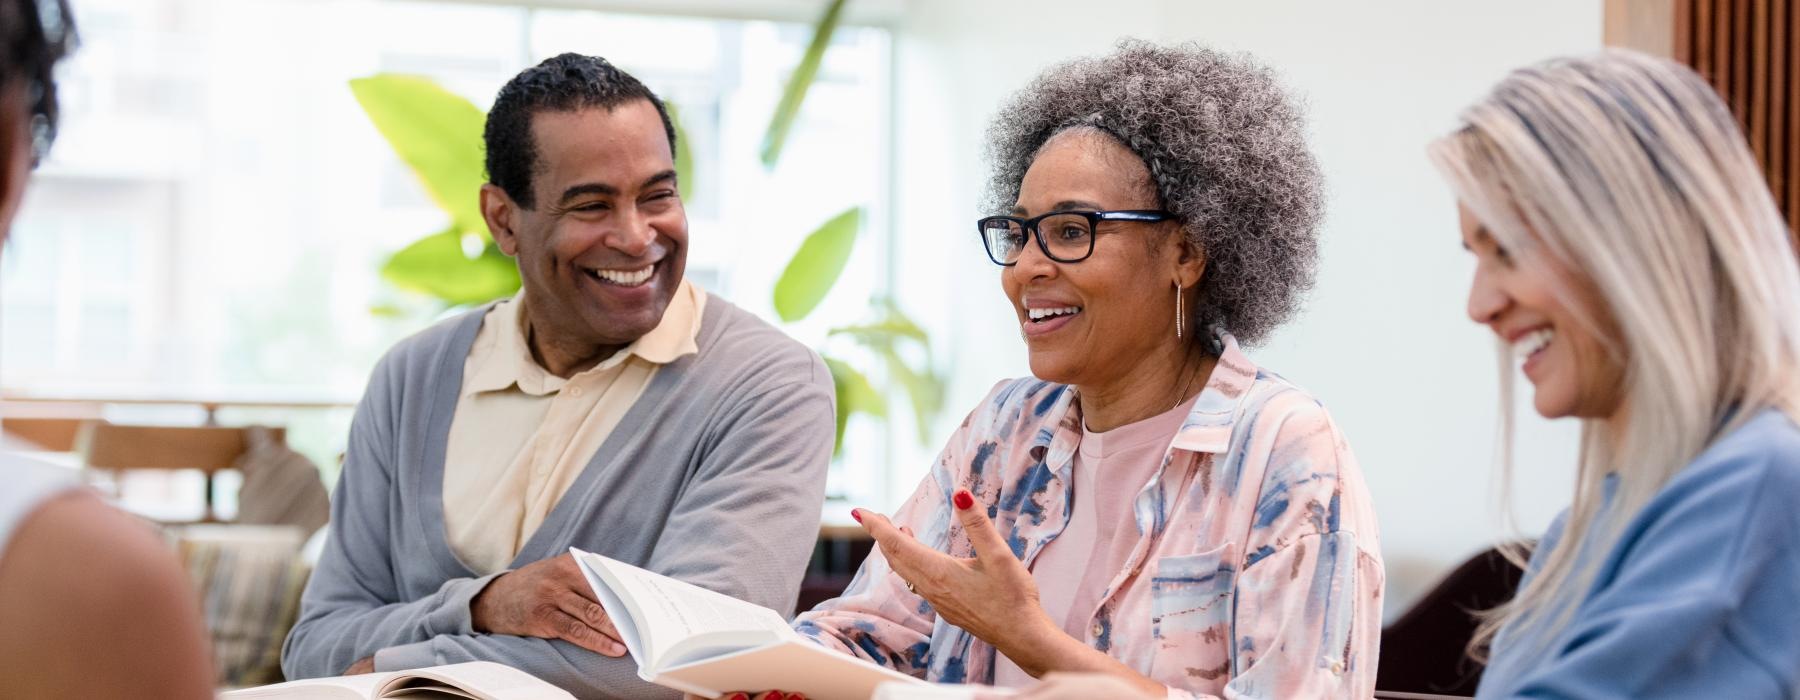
(1384, 341)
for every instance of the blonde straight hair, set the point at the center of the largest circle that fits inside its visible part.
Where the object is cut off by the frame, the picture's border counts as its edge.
(1627, 175)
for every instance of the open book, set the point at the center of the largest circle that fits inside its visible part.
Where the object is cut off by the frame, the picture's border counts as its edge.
(706, 643)
(476, 680)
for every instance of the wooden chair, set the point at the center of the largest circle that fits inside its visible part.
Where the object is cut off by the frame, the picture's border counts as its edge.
(209, 449)
(45, 434)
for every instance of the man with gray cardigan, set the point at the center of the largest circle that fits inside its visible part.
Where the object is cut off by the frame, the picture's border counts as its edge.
(611, 405)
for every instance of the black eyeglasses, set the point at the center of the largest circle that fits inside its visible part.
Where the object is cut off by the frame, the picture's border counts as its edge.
(1071, 233)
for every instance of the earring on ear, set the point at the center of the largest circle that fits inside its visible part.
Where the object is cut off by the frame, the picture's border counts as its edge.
(1178, 312)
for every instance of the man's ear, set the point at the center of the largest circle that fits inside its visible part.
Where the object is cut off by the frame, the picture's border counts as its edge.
(499, 210)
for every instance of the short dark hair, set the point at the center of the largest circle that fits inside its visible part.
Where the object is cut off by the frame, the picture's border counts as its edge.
(34, 35)
(562, 83)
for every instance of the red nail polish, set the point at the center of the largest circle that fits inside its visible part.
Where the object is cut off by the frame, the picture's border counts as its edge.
(776, 695)
(964, 501)
(738, 696)
(856, 513)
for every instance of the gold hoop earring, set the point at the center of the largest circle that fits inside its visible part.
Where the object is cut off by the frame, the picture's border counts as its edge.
(1178, 314)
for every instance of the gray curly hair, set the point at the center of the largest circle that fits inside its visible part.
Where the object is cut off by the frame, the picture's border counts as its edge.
(1225, 147)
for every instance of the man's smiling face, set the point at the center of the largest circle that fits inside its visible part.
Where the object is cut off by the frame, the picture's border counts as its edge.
(603, 250)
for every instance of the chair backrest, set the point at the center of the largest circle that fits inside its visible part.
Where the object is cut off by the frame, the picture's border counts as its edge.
(209, 449)
(46, 434)
(206, 448)
(1425, 650)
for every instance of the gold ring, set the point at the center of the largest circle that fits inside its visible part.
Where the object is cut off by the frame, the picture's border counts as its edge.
(910, 589)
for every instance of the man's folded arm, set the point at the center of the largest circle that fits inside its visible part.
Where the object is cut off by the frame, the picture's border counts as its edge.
(352, 606)
(747, 523)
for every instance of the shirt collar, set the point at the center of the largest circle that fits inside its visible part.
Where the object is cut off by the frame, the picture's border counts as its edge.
(1208, 425)
(510, 363)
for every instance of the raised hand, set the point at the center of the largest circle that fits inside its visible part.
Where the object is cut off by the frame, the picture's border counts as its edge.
(990, 595)
(549, 599)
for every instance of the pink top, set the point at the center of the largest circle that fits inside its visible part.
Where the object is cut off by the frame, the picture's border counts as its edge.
(1101, 531)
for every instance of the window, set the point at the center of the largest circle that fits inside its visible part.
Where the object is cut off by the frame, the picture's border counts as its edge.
(213, 216)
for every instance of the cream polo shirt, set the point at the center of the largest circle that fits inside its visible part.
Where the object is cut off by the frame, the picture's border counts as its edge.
(521, 434)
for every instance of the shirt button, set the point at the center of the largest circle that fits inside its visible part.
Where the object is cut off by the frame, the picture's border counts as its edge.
(575, 391)
(1097, 630)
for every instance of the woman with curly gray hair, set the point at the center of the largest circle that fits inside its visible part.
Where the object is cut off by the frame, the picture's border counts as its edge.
(1150, 506)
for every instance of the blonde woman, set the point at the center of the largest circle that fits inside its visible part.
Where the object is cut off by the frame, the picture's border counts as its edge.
(1630, 256)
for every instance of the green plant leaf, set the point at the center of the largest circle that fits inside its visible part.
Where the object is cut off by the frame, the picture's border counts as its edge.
(924, 388)
(684, 155)
(437, 265)
(816, 266)
(855, 394)
(437, 133)
(888, 327)
(798, 83)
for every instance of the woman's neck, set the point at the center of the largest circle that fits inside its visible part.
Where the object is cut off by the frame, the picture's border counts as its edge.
(1146, 389)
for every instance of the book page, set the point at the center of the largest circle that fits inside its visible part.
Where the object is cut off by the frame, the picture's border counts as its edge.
(434, 691)
(668, 613)
(620, 611)
(793, 666)
(483, 680)
(360, 687)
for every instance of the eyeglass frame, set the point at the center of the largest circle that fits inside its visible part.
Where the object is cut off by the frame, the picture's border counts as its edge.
(1030, 227)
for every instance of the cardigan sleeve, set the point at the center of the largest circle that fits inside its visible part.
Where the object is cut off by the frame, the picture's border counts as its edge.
(351, 608)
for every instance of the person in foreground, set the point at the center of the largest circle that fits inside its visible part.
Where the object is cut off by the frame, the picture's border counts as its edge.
(611, 405)
(92, 603)
(1152, 505)
(1629, 255)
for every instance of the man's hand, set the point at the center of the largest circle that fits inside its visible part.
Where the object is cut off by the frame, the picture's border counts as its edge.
(366, 665)
(548, 599)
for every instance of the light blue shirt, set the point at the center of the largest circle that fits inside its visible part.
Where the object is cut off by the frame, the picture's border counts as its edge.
(1700, 596)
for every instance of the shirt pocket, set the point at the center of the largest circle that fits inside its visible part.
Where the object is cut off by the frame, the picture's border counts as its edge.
(1192, 593)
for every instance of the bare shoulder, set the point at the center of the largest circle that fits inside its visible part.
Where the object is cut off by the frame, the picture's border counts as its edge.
(97, 605)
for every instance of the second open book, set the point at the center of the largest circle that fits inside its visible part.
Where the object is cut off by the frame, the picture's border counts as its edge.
(706, 643)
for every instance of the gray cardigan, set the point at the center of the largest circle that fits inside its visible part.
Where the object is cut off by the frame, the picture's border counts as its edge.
(715, 476)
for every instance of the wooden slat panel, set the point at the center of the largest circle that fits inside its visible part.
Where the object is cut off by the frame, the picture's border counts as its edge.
(1758, 116)
(1683, 26)
(1721, 63)
(1779, 120)
(1703, 38)
(1740, 60)
(1793, 155)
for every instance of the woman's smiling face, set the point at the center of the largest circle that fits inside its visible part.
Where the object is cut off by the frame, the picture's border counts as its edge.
(1116, 307)
(1570, 370)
